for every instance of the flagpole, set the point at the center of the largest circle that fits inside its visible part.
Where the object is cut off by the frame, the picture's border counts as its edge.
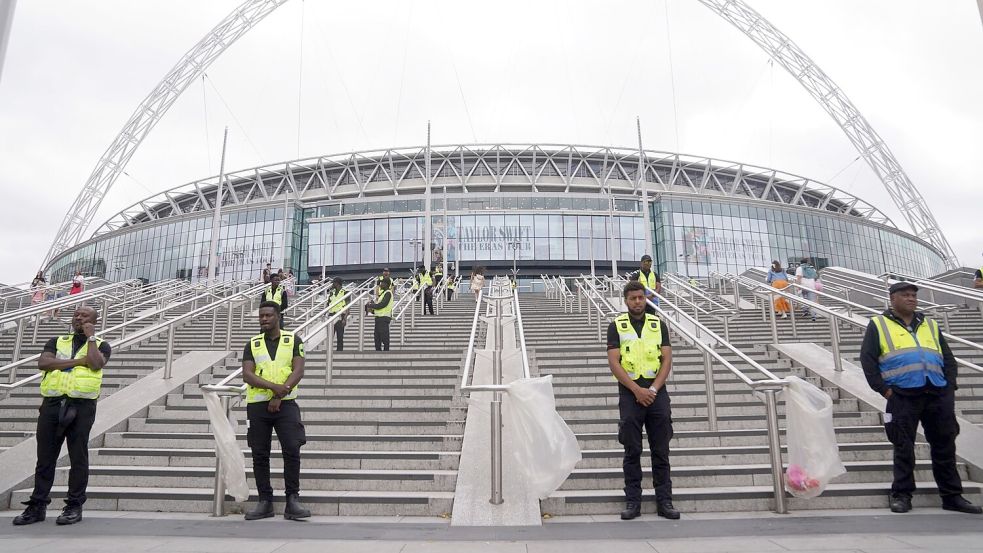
(217, 214)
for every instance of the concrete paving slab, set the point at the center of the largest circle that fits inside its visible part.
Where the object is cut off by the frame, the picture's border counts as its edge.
(871, 542)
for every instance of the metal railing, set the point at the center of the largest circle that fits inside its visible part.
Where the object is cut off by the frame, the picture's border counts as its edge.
(144, 334)
(495, 301)
(404, 303)
(834, 316)
(227, 391)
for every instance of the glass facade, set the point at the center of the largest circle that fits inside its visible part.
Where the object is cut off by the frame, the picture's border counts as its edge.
(541, 232)
(249, 239)
(696, 237)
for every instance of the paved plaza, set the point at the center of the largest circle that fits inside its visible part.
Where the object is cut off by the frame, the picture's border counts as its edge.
(846, 531)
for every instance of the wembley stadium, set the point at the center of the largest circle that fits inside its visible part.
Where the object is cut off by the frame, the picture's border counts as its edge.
(535, 208)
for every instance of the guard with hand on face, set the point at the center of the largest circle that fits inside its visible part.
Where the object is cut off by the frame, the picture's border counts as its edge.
(906, 359)
(72, 367)
(640, 358)
(382, 309)
(272, 366)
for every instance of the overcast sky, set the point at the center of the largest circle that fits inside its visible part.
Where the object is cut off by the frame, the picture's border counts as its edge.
(319, 77)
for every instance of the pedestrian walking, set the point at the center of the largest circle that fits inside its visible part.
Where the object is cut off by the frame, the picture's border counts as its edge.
(38, 285)
(78, 283)
(806, 276)
(477, 280)
(451, 285)
(267, 273)
(778, 278)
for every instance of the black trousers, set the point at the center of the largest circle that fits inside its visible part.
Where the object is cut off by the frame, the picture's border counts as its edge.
(50, 437)
(428, 301)
(381, 333)
(339, 332)
(656, 419)
(291, 434)
(450, 294)
(937, 414)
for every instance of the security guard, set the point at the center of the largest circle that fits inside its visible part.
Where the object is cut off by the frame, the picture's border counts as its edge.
(378, 279)
(906, 359)
(72, 367)
(272, 366)
(451, 285)
(424, 280)
(650, 279)
(438, 273)
(640, 358)
(337, 301)
(276, 294)
(382, 309)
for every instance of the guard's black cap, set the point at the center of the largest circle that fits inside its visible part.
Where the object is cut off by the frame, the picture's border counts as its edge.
(646, 257)
(899, 286)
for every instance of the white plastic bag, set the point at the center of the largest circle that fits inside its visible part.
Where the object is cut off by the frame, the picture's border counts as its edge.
(226, 448)
(813, 456)
(543, 445)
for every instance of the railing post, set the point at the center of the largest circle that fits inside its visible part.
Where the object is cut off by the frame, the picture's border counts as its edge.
(17, 343)
(834, 327)
(775, 450)
(218, 497)
(849, 308)
(361, 328)
(214, 323)
(711, 391)
(228, 328)
(169, 358)
(774, 325)
(328, 352)
(795, 326)
(104, 315)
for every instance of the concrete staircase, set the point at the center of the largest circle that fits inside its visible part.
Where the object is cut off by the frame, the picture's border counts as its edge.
(726, 470)
(383, 438)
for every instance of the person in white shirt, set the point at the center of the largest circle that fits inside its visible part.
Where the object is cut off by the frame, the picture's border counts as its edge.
(806, 276)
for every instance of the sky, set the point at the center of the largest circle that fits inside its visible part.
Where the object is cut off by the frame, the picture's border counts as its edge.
(319, 77)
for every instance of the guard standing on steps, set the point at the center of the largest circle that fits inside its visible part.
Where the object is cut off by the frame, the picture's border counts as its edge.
(382, 309)
(640, 358)
(337, 301)
(451, 285)
(276, 294)
(272, 366)
(906, 360)
(650, 279)
(72, 367)
(378, 279)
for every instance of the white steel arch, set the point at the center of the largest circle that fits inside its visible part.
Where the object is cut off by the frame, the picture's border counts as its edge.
(867, 142)
(113, 161)
(863, 136)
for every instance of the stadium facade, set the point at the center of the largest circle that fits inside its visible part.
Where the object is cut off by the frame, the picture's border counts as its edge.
(558, 209)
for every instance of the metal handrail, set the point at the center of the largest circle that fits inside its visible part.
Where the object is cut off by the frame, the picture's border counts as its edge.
(66, 301)
(936, 285)
(142, 335)
(835, 317)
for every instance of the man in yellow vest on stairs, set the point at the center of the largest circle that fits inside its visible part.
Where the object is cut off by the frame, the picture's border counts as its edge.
(272, 366)
(72, 367)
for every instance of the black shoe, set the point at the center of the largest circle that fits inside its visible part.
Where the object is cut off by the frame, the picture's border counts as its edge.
(294, 509)
(263, 509)
(900, 504)
(632, 510)
(959, 503)
(69, 515)
(666, 510)
(32, 514)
